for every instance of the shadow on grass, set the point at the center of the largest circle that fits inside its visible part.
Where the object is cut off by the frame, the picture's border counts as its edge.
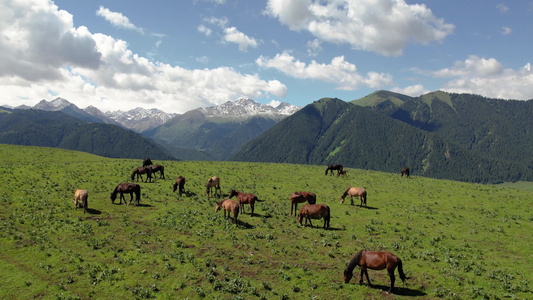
(93, 211)
(400, 291)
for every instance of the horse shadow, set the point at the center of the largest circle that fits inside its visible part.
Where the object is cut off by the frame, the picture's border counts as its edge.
(400, 291)
(367, 207)
(143, 205)
(245, 225)
(93, 211)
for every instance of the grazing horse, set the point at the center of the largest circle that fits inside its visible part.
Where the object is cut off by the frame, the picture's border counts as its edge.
(147, 162)
(244, 199)
(341, 173)
(180, 182)
(81, 197)
(127, 188)
(301, 197)
(375, 260)
(229, 206)
(314, 211)
(355, 191)
(405, 171)
(334, 167)
(142, 170)
(213, 182)
(158, 168)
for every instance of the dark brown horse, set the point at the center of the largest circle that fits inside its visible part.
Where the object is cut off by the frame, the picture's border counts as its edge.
(405, 171)
(375, 260)
(301, 197)
(147, 162)
(127, 188)
(180, 182)
(142, 170)
(314, 211)
(355, 191)
(160, 169)
(244, 199)
(213, 182)
(81, 198)
(229, 206)
(334, 167)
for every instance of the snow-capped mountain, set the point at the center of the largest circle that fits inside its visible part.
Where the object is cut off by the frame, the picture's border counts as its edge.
(244, 108)
(140, 119)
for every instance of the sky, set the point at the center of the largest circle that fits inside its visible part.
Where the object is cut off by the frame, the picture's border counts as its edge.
(180, 55)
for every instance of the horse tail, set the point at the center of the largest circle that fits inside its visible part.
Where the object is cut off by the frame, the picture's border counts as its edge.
(236, 214)
(85, 202)
(328, 214)
(174, 186)
(400, 270)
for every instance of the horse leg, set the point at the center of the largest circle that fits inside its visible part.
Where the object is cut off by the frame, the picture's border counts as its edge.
(252, 207)
(351, 199)
(392, 279)
(367, 279)
(308, 218)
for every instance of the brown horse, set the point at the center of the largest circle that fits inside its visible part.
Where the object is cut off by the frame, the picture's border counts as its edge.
(81, 197)
(142, 170)
(355, 191)
(180, 182)
(375, 260)
(147, 162)
(158, 168)
(244, 199)
(229, 206)
(341, 173)
(405, 171)
(314, 211)
(301, 197)
(334, 167)
(127, 188)
(213, 182)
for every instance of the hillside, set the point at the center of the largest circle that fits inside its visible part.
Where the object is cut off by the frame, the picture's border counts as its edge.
(333, 131)
(456, 240)
(56, 129)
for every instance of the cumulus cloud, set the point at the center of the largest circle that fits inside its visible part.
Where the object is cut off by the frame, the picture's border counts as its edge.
(381, 26)
(506, 30)
(42, 55)
(489, 78)
(413, 90)
(339, 72)
(229, 34)
(117, 19)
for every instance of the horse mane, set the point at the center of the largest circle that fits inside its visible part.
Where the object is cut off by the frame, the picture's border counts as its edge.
(355, 261)
(345, 193)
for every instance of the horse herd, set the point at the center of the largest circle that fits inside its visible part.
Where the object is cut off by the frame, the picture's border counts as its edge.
(374, 260)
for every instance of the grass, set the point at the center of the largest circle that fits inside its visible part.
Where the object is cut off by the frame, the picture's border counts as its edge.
(457, 240)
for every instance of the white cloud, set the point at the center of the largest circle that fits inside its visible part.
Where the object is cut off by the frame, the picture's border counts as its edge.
(43, 56)
(487, 77)
(339, 72)
(314, 47)
(232, 35)
(506, 30)
(502, 8)
(413, 90)
(382, 26)
(117, 19)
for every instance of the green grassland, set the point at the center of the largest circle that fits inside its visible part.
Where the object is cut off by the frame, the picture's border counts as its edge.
(456, 240)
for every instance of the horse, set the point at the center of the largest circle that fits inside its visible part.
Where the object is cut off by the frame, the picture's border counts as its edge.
(142, 170)
(300, 197)
(334, 167)
(341, 173)
(229, 206)
(244, 199)
(158, 168)
(127, 188)
(405, 171)
(180, 182)
(314, 211)
(375, 260)
(147, 162)
(355, 191)
(213, 182)
(81, 197)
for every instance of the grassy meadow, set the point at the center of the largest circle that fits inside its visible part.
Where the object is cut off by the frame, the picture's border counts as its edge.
(457, 240)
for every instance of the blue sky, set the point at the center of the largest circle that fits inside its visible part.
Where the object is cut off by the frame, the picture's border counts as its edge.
(181, 55)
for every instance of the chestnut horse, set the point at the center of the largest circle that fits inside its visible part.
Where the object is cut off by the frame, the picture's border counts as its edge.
(375, 260)
(314, 211)
(300, 197)
(229, 206)
(180, 182)
(127, 188)
(142, 170)
(81, 197)
(341, 173)
(212, 182)
(405, 171)
(244, 199)
(158, 168)
(334, 167)
(355, 191)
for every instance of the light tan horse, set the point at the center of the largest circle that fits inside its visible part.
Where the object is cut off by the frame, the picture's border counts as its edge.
(229, 206)
(355, 191)
(81, 197)
(213, 182)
